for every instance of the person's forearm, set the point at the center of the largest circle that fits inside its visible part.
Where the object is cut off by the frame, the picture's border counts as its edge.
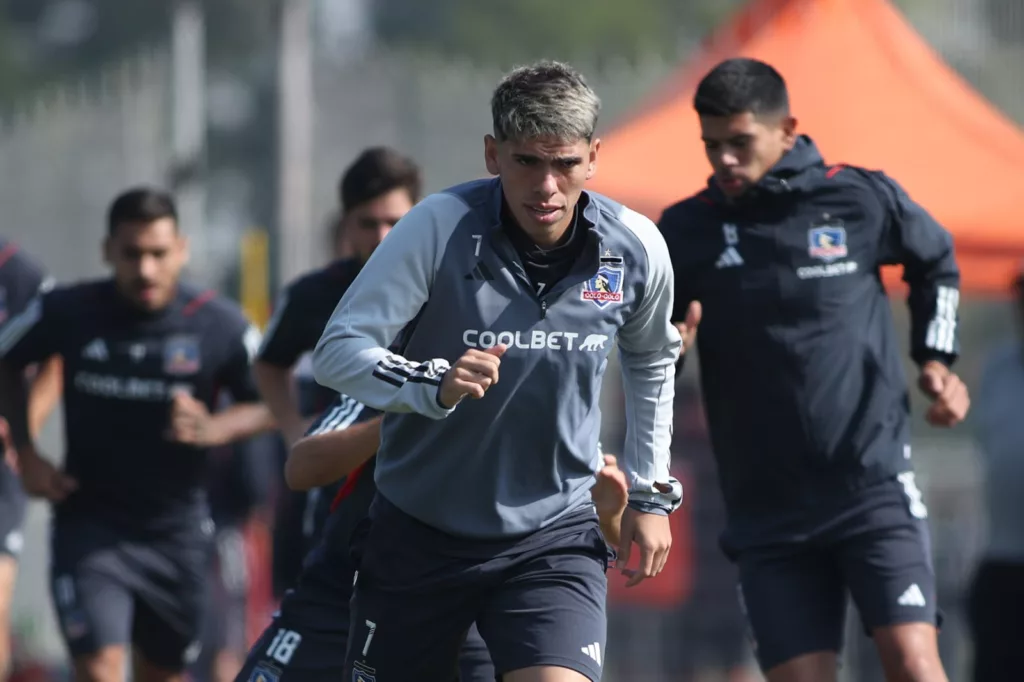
(44, 394)
(275, 387)
(239, 422)
(324, 458)
(611, 526)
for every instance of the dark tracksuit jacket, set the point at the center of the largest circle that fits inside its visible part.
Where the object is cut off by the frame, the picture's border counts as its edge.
(800, 364)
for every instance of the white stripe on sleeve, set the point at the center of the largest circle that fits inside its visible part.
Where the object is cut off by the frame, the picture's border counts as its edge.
(941, 334)
(340, 417)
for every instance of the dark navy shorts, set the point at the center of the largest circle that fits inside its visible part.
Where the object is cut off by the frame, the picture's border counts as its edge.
(290, 651)
(307, 638)
(537, 601)
(875, 546)
(12, 512)
(112, 590)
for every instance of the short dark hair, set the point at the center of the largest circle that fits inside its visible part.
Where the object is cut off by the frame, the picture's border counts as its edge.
(375, 172)
(140, 205)
(739, 86)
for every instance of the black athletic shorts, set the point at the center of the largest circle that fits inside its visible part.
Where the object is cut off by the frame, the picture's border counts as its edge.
(109, 589)
(875, 545)
(537, 601)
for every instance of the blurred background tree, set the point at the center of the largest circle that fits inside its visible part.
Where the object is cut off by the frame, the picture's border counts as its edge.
(502, 31)
(41, 40)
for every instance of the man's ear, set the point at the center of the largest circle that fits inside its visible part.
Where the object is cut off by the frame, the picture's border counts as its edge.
(491, 154)
(595, 147)
(789, 125)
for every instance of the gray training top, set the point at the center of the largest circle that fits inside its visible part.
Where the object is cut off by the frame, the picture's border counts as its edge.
(447, 279)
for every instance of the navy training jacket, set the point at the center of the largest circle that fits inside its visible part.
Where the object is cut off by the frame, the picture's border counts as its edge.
(800, 364)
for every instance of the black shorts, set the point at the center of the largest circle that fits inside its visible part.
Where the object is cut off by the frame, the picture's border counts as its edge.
(996, 614)
(537, 601)
(291, 651)
(112, 590)
(12, 512)
(876, 546)
(307, 638)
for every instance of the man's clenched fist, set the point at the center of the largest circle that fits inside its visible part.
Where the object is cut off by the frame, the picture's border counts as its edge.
(950, 398)
(190, 421)
(471, 375)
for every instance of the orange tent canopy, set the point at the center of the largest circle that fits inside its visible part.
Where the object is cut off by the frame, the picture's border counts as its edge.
(870, 92)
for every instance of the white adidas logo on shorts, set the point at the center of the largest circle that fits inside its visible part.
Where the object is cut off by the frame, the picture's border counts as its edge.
(912, 597)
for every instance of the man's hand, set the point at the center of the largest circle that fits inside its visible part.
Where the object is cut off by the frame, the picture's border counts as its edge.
(471, 375)
(40, 478)
(610, 495)
(950, 399)
(652, 534)
(688, 328)
(191, 422)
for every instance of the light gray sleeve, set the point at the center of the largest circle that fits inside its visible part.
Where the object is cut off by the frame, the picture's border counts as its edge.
(649, 346)
(352, 356)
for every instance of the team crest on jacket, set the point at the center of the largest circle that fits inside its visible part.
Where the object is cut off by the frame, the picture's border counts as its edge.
(827, 242)
(606, 286)
(181, 355)
(264, 673)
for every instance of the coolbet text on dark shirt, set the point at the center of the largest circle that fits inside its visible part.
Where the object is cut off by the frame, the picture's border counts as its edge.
(121, 368)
